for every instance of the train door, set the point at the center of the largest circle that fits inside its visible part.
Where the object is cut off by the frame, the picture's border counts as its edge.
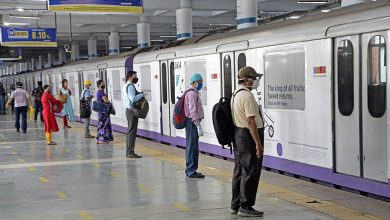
(347, 105)
(80, 81)
(103, 76)
(168, 98)
(374, 105)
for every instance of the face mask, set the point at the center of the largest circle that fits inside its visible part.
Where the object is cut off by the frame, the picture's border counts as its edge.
(103, 87)
(199, 86)
(255, 84)
(134, 81)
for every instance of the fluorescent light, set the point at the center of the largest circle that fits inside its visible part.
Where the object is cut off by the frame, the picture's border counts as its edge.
(273, 12)
(325, 10)
(220, 24)
(19, 9)
(25, 17)
(312, 2)
(295, 17)
(16, 24)
(168, 36)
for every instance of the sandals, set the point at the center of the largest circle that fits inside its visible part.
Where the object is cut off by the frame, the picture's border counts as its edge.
(52, 143)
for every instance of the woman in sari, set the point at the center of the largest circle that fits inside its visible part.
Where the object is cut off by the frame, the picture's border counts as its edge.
(104, 134)
(49, 105)
(67, 111)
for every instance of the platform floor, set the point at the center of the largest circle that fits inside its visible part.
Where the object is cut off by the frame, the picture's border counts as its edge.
(81, 180)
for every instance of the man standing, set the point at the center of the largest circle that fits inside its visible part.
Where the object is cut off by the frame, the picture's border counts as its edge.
(87, 96)
(3, 95)
(37, 93)
(131, 96)
(249, 140)
(21, 100)
(194, 114)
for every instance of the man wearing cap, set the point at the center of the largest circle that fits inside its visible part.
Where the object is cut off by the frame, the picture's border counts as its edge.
(131, 96)
(194, 114)
(249, 140)
(87, 96)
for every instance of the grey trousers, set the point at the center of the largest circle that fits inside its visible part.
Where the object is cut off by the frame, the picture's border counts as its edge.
(132, 124)
(86, 127)
(247, 169)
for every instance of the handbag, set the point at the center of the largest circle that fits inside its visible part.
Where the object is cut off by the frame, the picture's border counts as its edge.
(61, 97)
(141, 108)
(101, 107)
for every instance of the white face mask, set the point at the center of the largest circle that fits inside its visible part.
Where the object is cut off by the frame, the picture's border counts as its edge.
(256, 84)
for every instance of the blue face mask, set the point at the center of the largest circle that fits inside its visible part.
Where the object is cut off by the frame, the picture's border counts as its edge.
(200, 85)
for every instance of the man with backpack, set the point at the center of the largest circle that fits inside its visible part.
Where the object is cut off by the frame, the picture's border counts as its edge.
(85, 108)
(130, 97)
(37, 94)
(194, 114)
(249, 141)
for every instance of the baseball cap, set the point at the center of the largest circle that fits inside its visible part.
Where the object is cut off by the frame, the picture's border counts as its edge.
(196, 77)
(87, 82)
(248, 72)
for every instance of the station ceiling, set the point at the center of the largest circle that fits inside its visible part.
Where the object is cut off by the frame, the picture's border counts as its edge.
(208, 15)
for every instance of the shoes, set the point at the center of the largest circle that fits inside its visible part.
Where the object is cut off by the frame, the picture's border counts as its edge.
(133, 155)
(67, 126)
(89, 136)
(24, 132)
(17, 130)
(233, 211)
(249, 212)
(197, 175)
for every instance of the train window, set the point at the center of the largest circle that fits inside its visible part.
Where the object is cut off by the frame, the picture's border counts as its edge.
(172, 81)
(345, 77)
(376, 63)
(164, 82)
(146, 82)
(197, 66)
(227, 76)
(241, 61)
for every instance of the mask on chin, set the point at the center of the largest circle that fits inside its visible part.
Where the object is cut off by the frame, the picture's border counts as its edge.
(255, 84)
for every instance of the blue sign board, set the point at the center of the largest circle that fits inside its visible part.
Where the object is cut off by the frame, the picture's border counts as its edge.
(107, 6)
(28, 37)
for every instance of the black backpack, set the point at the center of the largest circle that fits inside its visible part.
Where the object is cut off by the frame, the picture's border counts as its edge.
(141, 107)
(223, 121)
(38, 93)
(85, 107)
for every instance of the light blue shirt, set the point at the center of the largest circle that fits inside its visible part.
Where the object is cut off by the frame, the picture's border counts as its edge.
(129, 95)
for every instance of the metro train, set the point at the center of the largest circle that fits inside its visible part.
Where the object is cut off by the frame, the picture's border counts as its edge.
(324, 94)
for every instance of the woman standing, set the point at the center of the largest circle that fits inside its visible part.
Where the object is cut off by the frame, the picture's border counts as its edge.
(49, 105)
(67, 112)
(104, 134)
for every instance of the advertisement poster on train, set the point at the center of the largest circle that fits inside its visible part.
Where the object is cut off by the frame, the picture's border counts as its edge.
(28, 37)
(97, 6)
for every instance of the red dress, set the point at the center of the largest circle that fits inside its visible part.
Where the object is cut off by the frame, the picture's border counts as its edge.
(48, 114)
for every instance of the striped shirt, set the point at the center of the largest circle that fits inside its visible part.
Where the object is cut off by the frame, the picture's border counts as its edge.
(21, 97)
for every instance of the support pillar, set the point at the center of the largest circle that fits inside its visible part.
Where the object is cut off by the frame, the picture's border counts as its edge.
(246, 13)
(61, 55)
(40, 62)
(143, 32)
(92, 47)
(113, 42)
(184, 20)
(49, 60)
(75, 52)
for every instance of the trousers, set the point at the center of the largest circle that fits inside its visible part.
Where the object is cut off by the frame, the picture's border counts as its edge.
(86, 127)
(192, 147)
(38, 109)
(247, 169)
(132, 125)
(21, 111)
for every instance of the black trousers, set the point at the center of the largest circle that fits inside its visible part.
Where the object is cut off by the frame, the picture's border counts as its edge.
(132, 124)
(21, 111)
(247, 169)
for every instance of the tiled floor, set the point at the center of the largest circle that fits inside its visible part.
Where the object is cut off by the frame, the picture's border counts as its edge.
(81, 180)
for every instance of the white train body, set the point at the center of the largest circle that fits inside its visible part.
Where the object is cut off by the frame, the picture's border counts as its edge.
(324, 94)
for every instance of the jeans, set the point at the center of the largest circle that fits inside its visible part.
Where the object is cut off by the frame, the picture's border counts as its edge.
(21, 111)
(247, 169)
(192, 147)
(132, 124)
(38, 109)
(86, 127)
(2, 104)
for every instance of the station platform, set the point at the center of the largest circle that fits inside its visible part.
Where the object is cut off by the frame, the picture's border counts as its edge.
(79, 179)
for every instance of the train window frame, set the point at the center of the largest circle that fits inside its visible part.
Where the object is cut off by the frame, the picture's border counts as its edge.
(345, 77)
(241, 58)
(164, 83)
(172, 81)
(376, 80)
(227, 76)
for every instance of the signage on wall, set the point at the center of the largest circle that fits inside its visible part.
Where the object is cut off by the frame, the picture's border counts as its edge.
(28, 37)
(107, 6)
(319, 71)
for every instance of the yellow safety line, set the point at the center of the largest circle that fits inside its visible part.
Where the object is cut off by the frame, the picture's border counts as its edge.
(313, 203)
(14, 152)
(79, 156)
(32, 169)
(97, 164)
(43, 180)
(115, 174)
(181, 206)
(143, 188)
(20, 160)
(21, 142)
(62, 195)
(85, 215)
